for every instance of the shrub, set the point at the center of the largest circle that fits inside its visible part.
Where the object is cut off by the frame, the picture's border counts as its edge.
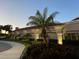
(41, 51)
(40, 40)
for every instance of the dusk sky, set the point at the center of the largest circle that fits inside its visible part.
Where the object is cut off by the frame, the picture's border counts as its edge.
(16, 12)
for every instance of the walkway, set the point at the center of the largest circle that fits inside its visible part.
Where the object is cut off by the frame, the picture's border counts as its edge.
(13, 53)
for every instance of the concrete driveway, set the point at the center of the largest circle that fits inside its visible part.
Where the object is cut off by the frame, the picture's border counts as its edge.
(14, 52)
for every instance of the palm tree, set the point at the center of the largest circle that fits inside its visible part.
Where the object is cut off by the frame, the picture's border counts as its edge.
(43, 21)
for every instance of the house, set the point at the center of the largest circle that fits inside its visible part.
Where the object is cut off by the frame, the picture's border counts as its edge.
(71, 29)
(35, 31)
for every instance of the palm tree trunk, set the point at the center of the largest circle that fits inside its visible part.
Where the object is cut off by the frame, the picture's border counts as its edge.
(44, 35)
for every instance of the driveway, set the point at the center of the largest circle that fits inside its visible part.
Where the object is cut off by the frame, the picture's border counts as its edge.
(14, 52)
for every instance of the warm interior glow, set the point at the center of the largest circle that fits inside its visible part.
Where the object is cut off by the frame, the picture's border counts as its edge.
(60, 38)
(3, 31)
(6, 32)
(37, 36)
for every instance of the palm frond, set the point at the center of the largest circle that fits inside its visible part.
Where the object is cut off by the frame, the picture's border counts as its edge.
(33, 23)
(36, 19)
(49, 21)
(51, 17)
(54, 14)
(38, 14)
(33, 18)
(45, 13)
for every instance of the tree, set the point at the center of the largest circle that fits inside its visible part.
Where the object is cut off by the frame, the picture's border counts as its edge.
(8, 28)
(43, 21)
(1, 27)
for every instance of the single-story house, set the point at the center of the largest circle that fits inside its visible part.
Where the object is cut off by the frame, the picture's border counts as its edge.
(69, 30)
(35, 31)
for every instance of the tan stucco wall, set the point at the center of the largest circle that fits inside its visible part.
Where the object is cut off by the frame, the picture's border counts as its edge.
(36, 31)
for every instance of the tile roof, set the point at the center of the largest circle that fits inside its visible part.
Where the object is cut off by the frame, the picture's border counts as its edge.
(77, 18)
(34, 27)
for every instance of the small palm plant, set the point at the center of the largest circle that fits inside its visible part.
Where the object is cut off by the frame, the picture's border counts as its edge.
(43, 21)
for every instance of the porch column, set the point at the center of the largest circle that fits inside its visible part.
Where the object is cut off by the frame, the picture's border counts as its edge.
(59, 33)
(59, 37)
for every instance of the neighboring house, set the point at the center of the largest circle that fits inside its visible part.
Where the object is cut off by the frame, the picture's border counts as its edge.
(71, 29)
(35, 31)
